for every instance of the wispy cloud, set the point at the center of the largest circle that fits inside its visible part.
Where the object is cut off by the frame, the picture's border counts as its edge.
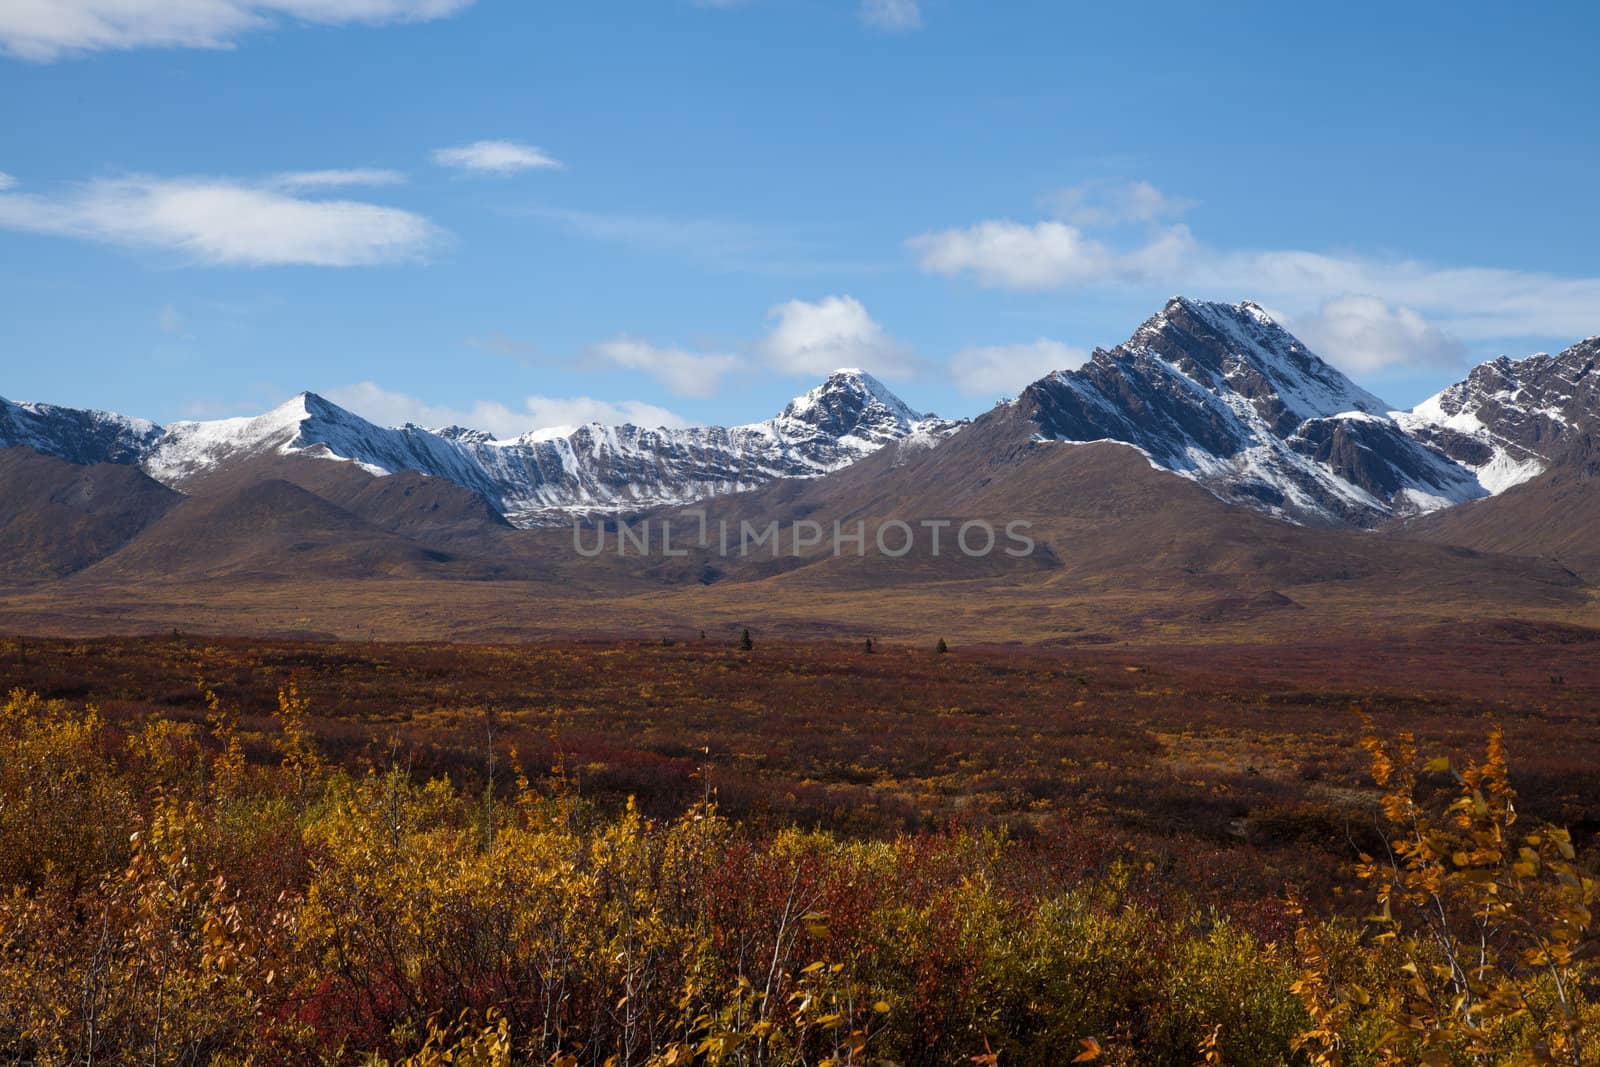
(225, 222)
(549, 412)
(338, 179)
(7, 181)
(1003, 370)
(894, 16)
(169, 320)
(723, 245)
(496, 157)
(804, 339)
(696, 238)
(46, 30)
(1362, 312)
(1473, 303)
(684, 372)
(391, 408)
(1100, 202)
(500, 343)
(1001, 253)
(1364, 333)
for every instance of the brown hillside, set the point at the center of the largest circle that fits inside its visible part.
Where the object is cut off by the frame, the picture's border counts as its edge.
(1554, 516)
(58, 518)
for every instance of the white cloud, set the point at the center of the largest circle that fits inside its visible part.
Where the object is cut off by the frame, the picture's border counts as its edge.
(895, 16)
(1362, 313)
(496, 157)
(389, 408)
(1044, 255)
(219, 221)
(685, 373)
(1013, 255)
(45, 30)
(1366, 334)
(335, 179)
(1106, 203)
(1472, 303)
(836, 331)
(170, 320)
(7, 181)
(549, 411)
(1005, 369)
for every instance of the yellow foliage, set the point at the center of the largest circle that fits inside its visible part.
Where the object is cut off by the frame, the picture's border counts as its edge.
(160, 902)
(1493, 927)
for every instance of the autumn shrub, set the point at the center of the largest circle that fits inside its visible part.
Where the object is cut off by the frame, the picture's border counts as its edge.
(164, 899)
(1489, 925)
(63, 812)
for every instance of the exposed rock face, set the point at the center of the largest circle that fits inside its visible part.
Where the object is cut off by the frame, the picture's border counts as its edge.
(76, 435)
(537, 478)
(1216, 393)
(1221, 394)
(1509, 419)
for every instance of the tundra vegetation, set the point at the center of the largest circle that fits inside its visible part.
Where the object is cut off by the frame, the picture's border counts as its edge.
(223, 872)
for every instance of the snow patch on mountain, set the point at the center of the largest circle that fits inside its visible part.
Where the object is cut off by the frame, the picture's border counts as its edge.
(1216, 393)
(1506, 421)
(1224, 396)
(535, 479)
(76, 435)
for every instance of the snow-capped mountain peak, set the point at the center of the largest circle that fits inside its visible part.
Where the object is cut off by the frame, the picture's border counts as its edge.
(537, 478)
(1507, 419)
(1217, 393)
(853, 402)
(304, 422)
(1223, 395)
(76, 435)
(1254, 355)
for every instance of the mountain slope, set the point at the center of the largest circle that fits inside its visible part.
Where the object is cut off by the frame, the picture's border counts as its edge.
(61, 517)
(1553, 515)
(1508, 420)
(270, 530)
(1109, 529)
(535, 479)
(431, 510)
(1216, 393)
(1222, 395)
(76, 435)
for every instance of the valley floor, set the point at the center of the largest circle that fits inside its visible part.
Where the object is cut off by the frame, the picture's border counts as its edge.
(683, 850)
(1234, 747)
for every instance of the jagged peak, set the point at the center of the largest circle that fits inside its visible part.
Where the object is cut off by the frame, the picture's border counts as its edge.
(455, 432)
(300, 405)
(1217, 313)
(318, 406)
(1243, 309)
(45, 409)
(1245, 332)
(850, 395)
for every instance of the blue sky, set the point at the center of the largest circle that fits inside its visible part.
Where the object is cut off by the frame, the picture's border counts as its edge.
(518, 214)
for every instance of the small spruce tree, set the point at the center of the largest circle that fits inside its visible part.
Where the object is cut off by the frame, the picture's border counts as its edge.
(869, 646)
(941, 647)
(744, 640)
